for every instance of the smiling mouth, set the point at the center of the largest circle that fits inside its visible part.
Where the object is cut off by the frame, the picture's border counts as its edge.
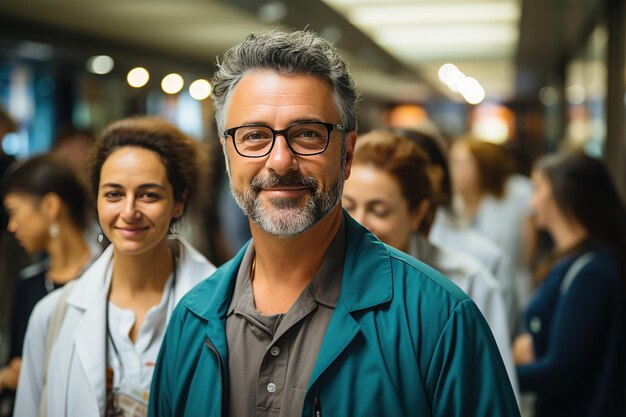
(131, 231)
(285, 191)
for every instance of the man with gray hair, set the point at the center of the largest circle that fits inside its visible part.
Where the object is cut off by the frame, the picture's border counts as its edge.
(315, 316)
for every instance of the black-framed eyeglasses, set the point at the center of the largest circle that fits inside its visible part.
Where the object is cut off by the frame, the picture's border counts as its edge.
(303, 138)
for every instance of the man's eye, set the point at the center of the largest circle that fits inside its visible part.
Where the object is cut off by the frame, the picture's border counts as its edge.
(253, 136)
(308, 133)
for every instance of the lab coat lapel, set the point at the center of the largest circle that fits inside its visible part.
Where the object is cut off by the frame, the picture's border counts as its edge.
(90, 347)
(88, 301)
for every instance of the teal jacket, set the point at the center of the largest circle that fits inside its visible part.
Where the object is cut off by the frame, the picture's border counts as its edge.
(403, 341)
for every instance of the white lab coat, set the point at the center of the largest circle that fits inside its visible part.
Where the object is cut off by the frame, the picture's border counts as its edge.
(479, 284)
(76, 368)
(448, 231)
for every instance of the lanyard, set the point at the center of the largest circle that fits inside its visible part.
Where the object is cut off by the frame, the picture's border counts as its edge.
(109, 337)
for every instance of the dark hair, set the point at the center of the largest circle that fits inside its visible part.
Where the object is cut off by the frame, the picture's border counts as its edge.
(494, 165)
(45, 174)
(70, 133)
(177, 151)
(583, 189)
(403, 160)
(299, 52)
(436, 151)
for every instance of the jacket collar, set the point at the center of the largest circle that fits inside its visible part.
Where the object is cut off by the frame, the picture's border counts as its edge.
(92, 283)
(367, 277)
(191, 264)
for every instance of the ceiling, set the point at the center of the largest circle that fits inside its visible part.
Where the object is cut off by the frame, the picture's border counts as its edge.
(395, 47)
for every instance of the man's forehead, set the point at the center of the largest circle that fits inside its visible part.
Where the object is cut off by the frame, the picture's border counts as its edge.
(263, 96)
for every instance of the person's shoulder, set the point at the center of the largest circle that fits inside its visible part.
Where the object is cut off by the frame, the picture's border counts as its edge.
(34, 271)
(598, 264)
(415, 275)
(464, 270)
(194, 267)
(44, 307)
(202, 299)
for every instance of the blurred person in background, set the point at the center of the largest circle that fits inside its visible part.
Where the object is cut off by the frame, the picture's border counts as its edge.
(204, 226)
(485, 200)
(73, 145)
(573, 356)
(13, 258)
(90, 348)
(448, 232)
(48, 209)
(7, 125)
(390, 193)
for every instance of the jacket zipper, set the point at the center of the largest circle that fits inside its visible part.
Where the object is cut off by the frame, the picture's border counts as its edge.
(211, 346)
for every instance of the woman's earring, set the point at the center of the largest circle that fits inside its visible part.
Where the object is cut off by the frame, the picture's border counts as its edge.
(100, 237)
(54, 230)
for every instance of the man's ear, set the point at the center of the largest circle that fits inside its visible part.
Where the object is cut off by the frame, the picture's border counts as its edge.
(350, 144)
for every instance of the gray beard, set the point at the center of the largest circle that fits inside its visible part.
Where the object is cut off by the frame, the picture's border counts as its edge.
(287, 217)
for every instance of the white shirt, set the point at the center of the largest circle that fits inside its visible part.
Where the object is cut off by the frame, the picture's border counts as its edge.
(134, 362)
(449, 232)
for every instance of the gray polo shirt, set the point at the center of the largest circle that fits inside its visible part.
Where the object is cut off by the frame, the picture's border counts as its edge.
(271, 358)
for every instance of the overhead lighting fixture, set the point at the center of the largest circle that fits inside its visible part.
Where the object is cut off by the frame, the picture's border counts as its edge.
(172, 83)
(272, 12)
(138, 77)
(418, 13)
(471, 90)
(34, 50)
(200, 89)
(548, 96)
(575, 94)
(445, 35)
(468, 87)
(100, 64)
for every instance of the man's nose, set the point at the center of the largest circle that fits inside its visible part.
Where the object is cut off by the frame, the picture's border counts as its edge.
(281, 159)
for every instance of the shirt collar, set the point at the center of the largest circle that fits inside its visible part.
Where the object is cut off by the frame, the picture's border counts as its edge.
(326, 284)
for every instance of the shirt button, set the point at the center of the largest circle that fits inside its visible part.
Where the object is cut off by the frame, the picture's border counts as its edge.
(275, 351)
(271, 388)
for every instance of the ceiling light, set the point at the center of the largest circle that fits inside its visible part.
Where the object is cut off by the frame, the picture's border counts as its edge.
(575, 94)
(200, 89)
(445, 35)
(100, 64)
(419, 13)
(445, 70)
(272, 12)
(138, 77)
(471, 90)
(172, 83)
(548, 96)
